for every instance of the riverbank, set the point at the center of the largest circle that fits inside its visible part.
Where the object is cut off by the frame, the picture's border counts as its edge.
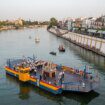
(93, 44)
(7, 28)
(4, 28)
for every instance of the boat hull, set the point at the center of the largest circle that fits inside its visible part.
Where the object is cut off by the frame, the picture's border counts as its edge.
(42, 84)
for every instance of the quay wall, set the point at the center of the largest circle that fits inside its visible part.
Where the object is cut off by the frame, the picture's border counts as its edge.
(93, 44)
(58, 32)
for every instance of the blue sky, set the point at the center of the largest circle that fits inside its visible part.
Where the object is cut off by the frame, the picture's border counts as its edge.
(45, 9)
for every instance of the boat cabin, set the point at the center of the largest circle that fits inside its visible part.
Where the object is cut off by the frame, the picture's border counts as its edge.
(24, 74)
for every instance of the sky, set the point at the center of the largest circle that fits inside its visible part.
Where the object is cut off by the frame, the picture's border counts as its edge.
(45, 9)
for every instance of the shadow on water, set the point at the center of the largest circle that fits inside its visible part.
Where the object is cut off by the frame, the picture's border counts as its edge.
(83, 98)
(25, 90)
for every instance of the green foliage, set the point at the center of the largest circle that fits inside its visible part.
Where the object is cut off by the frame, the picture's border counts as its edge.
(27, 23)
(44, 23)
(5, 23)
(53, 22)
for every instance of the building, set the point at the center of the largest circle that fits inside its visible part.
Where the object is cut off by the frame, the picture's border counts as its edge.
(78, 22)
(87, 23)
(19, 22)
(99, 23)
(70, 24)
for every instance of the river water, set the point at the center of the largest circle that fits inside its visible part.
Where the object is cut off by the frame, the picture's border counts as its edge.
(18, 43)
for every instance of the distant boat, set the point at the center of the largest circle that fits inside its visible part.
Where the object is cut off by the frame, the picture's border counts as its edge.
(37, 39)
(29, 37)
(53, 53)
(61, 48)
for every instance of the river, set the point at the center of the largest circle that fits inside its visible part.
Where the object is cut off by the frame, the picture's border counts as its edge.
(18, 43)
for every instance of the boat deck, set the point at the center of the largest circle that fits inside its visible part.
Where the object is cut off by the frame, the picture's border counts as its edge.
(71, 82)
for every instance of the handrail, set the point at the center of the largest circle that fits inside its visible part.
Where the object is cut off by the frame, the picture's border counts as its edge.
(72, 83)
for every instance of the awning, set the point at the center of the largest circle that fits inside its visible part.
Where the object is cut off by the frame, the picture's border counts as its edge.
(92, 31)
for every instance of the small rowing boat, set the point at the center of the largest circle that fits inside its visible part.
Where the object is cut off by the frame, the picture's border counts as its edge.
(61, 48)
(53, 53)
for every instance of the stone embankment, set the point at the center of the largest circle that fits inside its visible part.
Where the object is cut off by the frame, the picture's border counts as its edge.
(57, 32)
(93, 44)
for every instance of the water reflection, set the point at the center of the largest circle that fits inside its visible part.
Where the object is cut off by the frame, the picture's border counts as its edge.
(26, 89)
(82, 98)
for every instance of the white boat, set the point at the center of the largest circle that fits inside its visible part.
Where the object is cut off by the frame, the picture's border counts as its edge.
(37, 39)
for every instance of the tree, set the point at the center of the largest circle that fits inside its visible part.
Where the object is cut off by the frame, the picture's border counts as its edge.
(53, 22)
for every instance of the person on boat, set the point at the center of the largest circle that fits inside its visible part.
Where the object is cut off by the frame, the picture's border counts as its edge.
(44, 76)
(40, 77)
(83, 85)
(63, 76)
(35, 72)
(55, 82)
(91, 77)
(60, 77)
(61, 48)
(22, 65)
(14, 67)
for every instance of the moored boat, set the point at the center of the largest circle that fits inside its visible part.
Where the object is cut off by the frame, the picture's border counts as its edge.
(37, 39)
(53, 53)
(52, 77)
(61, 48)
(30, 37)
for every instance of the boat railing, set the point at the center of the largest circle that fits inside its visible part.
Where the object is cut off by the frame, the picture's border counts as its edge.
(85, 86)
(72, 86)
